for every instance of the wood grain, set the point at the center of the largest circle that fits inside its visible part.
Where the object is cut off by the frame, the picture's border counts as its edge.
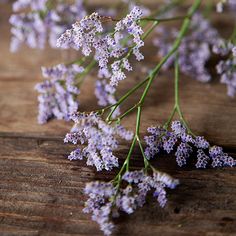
(41, 192)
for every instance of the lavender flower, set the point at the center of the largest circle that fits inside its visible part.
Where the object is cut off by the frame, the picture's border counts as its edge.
(36, 5)
(155, 141)
(202, 159)
(182, 153)
(226, 68)
(183, 144)
(195, 49)
(98, 204)
(58, 93)
(27, 28)
(234, 51)
(106, 200)
(230, 3)
(83, 34)
(88, 35)
(100, 139)
(129, 23)
(220, 158)
(41, 22)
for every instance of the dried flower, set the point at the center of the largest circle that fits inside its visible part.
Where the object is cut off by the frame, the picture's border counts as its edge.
(195, 49)
(89, 36)
(230, 3)
(41, 23)
(183, 144)
(58, 93)
(106, 200)
(226, 67)
(100, 139)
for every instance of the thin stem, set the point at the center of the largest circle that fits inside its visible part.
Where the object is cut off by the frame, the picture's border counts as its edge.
(147, 33)
(130, 152)
(124, 97)
(125, 113)
(177, 81)
(86, 71)
(148, 80)
(78, 61)
(163, 19)
(233, 35)
(177, 103)
(146, 162)
(138, 122)
(125, 165)
(167, 124)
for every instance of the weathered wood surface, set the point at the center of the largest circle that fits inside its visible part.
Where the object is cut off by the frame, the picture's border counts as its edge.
(41, 192)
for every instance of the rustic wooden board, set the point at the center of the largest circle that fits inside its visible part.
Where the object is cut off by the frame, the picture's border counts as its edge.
(41, 192)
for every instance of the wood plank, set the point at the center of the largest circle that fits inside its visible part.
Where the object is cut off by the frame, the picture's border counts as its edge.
(42, 194)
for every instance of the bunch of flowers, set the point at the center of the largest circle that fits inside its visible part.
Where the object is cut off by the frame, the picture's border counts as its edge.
(226, 67)
(58, 94)
(178, 140)
(100, 140)
(111, 45)
(37, 21)
(107, 200)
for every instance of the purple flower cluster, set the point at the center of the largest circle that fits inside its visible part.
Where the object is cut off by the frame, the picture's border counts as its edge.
(89, 36)
(106, 201)
(183, 144)
(58, 93)
(195, 49)
(41, 22)
(226, 68)
(99, 139)
(229, 3)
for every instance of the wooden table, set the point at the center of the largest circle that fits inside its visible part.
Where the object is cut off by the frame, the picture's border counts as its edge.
(41, 192)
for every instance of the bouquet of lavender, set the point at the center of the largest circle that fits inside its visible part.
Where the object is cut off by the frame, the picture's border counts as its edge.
(111, 45)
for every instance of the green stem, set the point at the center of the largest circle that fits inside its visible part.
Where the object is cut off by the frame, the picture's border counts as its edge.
(130, 152)
(88, 68)
(78, 61)
(177, 103)
(163, 19)
(125, 113)
(167, 124)
(138, 122)
(146, 162)
(124, 97)
(147, 33)
(233, 35)
(125, 165)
